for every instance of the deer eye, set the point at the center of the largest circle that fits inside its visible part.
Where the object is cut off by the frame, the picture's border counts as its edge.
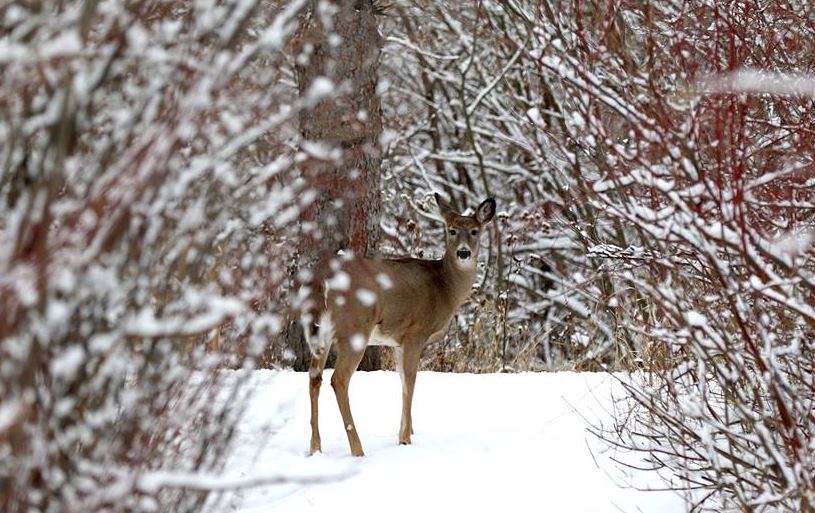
(473, 232)
(453, 232)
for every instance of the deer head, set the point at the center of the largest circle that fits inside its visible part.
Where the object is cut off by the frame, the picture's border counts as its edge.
(464, 232)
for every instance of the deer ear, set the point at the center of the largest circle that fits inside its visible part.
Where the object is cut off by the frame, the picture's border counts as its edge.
(444, 207)
(485, 211)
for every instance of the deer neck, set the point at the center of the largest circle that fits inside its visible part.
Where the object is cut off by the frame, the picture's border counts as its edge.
(459, 280)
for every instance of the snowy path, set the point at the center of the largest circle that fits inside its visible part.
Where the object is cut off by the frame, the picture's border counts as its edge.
(500, 442)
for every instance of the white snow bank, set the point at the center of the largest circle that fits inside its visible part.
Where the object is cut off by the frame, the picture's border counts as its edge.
(490, 442)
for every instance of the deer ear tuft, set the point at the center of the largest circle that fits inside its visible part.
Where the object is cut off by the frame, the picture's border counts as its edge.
(485, 211)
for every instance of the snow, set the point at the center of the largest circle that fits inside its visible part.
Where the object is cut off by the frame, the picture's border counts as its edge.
(151, 482)
(340, 281)
(218, 309)
(695, 319)
(274, 36)
(68, 362)
(366, 297)
(321, 87)
(794, 243)
(760, 81)
(482, 442)
(358, 341)
(10, 410)
(320, 150)
(384, 281)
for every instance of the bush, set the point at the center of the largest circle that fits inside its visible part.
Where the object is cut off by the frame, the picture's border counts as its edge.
(145, 186)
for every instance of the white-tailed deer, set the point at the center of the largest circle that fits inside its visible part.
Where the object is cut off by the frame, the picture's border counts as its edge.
(404, 303)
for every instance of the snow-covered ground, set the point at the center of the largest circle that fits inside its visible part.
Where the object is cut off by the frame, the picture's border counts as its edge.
(489, 442)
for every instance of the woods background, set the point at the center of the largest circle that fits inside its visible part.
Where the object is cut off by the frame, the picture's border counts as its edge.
(171, 169)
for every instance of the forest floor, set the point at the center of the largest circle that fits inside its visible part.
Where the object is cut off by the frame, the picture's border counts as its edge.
(483, 442)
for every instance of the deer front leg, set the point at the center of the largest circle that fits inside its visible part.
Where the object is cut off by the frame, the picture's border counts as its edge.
(409, 365)
(347, 361)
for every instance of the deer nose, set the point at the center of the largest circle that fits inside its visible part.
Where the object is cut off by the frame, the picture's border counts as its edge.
(463, 253)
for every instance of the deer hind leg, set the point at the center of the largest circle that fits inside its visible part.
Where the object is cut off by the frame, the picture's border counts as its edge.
(408, 362)
(320, 344)
(348, 359)
(315, 374)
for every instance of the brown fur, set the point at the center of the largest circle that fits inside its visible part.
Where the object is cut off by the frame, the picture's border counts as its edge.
(407, 300)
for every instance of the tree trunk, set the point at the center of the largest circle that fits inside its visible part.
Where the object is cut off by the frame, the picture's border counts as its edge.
(341, 137)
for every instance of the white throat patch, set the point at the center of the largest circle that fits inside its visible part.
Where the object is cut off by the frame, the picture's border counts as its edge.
(468, 264)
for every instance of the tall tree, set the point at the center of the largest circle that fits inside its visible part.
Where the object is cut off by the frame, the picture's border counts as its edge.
(337, 66)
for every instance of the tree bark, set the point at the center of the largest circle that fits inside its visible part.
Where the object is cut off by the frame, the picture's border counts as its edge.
(341, 137)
